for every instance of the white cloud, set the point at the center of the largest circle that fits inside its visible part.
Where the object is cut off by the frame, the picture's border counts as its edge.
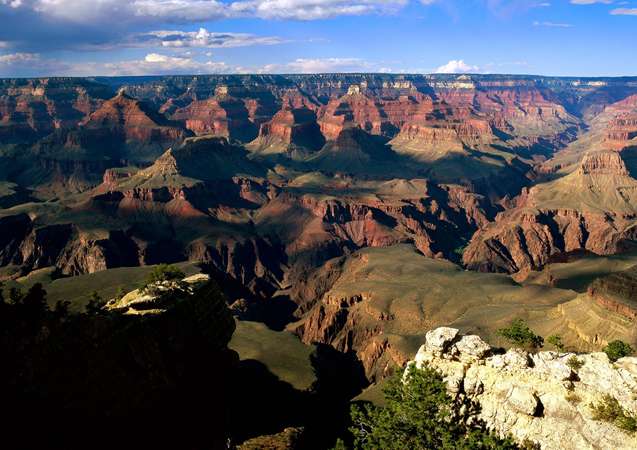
(29, 64)
(457, 66)
(155, 64)
(203, 38)
(318, 65)
(127, 10)
(552, 24)
(624, 12)
(11, 3)
(202, 10)
(312, 9)
(591, 2)
(32, 64)
(17, 58)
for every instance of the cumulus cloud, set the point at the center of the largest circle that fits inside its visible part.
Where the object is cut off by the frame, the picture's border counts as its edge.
(124, 10)
(46, 25)
(202, 10)
(202, 38)
(457, 66)
(312, 9)
(154, 64)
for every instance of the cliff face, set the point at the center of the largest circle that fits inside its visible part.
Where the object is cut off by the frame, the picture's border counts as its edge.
(226, 117)
(334, 163)
(32, 246)
(593, 208)
(538, 398)
(617, 292)
(292, 131)
(30, 109)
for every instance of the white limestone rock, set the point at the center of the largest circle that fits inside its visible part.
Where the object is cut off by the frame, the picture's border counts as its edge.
(537, 398)
(471, 347)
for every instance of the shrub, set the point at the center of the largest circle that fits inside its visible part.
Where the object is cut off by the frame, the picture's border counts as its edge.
(164, 272)
(556, 341)
(617, 349)
(419, 414)
(609, 410)
(95, 303)
(574, 363)
(573, 398)
(519, 333)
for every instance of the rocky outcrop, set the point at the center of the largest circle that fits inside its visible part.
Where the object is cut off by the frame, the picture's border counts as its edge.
(593, 208)
(31, 246)
(429, 141)
(377, 116)
(222, 116)
(256, 264)
(539, 398)
(158, 297)
(30, 109)
(142, 129)
(293, 132)
(617, 292)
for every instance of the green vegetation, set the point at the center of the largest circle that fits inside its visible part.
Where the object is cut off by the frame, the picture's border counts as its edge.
(617, 349)
(519, 333)
(164, 272)
(95, 303)
(556, 341)
(419, 414)
(575, 363)
(609, 410)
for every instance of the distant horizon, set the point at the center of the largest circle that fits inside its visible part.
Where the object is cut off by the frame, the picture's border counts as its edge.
(309, 74)
(567, 38)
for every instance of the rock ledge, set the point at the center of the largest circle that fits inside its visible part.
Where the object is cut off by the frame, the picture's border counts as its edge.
(538, 397)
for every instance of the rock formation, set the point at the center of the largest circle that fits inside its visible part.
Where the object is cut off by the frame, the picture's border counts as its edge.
(593, 208)
(292, 132)
(540, 398)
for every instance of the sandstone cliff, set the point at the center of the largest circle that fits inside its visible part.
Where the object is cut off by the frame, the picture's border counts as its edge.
(593, 208)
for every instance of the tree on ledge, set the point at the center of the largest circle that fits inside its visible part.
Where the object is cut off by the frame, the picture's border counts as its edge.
(419, 414)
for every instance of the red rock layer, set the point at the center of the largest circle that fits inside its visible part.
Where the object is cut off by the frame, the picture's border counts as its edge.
(33, 108)
(134, 121)
(226, 117)
(529, 235)
(379, 116)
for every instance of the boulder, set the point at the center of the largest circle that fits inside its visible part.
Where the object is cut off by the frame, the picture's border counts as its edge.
(440, 339)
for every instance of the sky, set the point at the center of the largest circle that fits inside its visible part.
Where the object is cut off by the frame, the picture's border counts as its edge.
(159, 37)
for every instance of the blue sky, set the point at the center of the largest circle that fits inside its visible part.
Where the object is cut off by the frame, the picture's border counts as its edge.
(144, 37)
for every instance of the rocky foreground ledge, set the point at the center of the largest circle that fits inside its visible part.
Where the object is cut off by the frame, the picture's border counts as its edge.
(157, 297)
(544, 398)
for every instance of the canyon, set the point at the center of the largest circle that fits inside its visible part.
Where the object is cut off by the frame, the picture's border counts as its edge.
(352, 211)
